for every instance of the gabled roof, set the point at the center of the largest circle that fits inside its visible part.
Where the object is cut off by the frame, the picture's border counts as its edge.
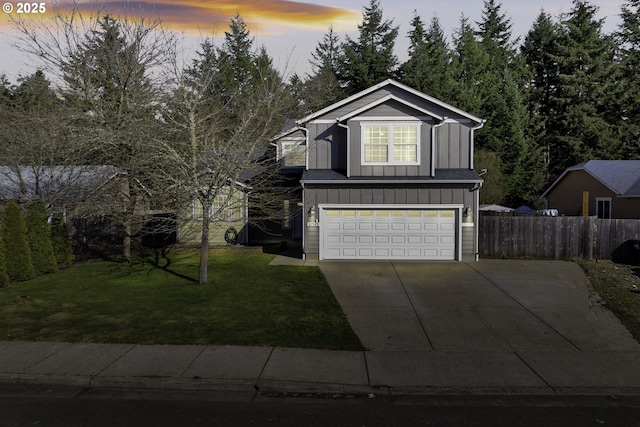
(621, 176)
(400, 86)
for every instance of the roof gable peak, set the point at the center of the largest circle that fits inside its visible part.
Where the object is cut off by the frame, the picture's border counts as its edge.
(383, 84)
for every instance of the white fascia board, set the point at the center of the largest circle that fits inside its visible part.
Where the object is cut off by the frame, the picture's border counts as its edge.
(384, 99)
(381, 85)
(343, 102)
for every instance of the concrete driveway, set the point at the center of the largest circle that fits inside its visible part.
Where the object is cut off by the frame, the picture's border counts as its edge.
(485, 306)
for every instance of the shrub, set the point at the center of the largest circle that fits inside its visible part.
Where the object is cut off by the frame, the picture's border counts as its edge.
(4, 277)
(61, 242)
(39, 236)
(13, 233)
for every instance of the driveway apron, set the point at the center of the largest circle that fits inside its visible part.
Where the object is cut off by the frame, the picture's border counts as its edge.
(486, 306)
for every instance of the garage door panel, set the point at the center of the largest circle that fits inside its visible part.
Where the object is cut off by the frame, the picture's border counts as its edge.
(349, 239)
(428, 234)
(381, 252)
(367, 240)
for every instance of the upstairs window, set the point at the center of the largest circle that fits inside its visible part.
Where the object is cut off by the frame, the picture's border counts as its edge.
(390, 144)
(293, 154)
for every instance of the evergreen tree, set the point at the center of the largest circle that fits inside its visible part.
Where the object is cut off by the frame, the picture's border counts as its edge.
(579, 129)
(538, 52)
(428, 68)
(60, 241)
(627, 92)
(469, 63)
(39, 236)
(236, 58)
(370, 59)
(4, 277)
(111, 87)
(322, 87)
(13, 234)
(495, 36)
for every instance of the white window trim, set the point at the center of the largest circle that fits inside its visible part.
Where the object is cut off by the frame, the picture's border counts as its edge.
(389, 145)
(603, 199)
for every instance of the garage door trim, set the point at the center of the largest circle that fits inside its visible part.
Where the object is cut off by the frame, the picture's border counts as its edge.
(457, 208)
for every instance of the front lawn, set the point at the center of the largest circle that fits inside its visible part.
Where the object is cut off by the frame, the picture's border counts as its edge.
(247, 302)
(619, 287)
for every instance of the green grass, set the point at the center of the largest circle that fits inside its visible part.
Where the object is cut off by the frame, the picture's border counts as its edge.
(247, 302)
(615, 285)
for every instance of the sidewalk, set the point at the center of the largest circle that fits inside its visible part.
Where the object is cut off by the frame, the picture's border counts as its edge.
(287, 370)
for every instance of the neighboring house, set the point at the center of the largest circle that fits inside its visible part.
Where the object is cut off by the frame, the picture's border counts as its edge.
(228, 220)
(384, 174)
(613, 188)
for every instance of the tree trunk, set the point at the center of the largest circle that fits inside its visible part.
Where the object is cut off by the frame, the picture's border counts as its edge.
(204, 245)
(126, 221)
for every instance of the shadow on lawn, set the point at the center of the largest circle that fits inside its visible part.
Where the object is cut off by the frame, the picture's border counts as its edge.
(160, 260)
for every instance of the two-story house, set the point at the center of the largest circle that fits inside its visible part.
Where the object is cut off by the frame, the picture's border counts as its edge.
(385, 174)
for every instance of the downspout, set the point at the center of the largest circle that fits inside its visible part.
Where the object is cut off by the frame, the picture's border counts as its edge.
(434, 143)
(476, 220)
(473, 129)
(303, 218)
(476, 217)
(345, 127)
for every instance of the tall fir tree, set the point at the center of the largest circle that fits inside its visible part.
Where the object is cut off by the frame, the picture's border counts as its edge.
(428, 68)
(578, 129)
(537, 52)
(628, 90)
(322, 86)
(469, 63)
(13, 234)
(370, 59)
(39, 236)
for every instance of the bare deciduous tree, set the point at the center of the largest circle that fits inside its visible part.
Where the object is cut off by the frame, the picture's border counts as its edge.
(221, 138)
(108, 73)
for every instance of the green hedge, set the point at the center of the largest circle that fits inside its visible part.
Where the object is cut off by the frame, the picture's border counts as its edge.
(13, 233)
(39, 236)
(61, 242)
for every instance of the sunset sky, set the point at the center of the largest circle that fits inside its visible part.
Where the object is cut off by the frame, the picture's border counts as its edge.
(290, 30)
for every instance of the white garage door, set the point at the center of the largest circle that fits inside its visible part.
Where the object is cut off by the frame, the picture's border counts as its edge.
(411, 234)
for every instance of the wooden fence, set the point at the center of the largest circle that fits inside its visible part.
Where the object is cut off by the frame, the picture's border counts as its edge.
(561, 238)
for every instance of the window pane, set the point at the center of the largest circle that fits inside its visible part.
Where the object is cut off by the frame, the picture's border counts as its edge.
(405, 134)
(405, 153)
(376, 135)
(375, 153)
(294, 155)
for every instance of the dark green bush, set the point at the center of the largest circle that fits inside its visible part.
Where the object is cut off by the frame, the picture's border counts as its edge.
(4, 277)
(39, 236)
(13, 233)
(61, 242)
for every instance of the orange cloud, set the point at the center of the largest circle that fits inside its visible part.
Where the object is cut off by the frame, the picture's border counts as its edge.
(266, 16)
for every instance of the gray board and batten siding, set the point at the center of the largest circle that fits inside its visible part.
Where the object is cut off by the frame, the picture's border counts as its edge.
(327, 146)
